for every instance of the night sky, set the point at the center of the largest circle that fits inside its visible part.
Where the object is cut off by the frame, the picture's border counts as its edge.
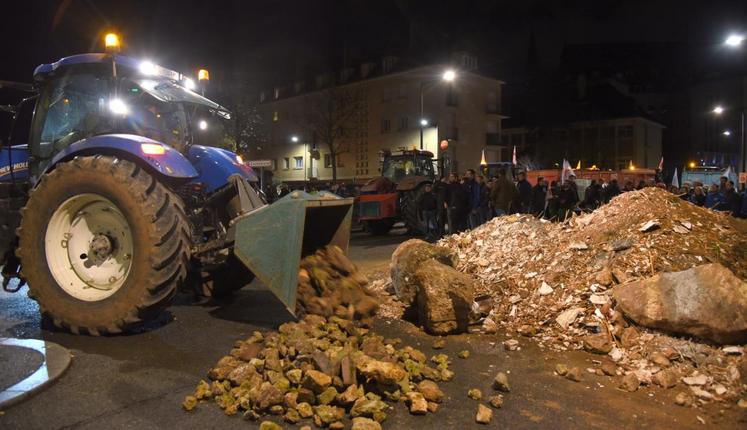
(260, 42)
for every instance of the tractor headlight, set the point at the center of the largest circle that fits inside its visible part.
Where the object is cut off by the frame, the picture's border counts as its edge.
(189, 84)
(118, 107)
(148, 68)
(239, 159)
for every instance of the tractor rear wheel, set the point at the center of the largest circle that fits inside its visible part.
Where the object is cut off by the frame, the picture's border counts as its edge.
(379, 227)
(409, 209)
(103, 245)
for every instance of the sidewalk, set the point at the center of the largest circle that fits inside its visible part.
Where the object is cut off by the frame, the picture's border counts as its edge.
(28, 365)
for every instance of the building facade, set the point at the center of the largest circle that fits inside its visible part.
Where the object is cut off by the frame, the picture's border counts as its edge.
(376, 108)
(609, 144)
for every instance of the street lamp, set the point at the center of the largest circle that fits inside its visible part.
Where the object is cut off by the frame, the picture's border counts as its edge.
(294, 139)
(449, 75)
(718, 110)
(727, 133)
(734, 40)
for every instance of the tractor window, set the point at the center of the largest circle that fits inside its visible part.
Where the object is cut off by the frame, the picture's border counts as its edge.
(398, 167)
(73, 108)
(151, 117)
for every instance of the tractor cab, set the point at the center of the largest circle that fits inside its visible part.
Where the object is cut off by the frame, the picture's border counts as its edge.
(97, 94)
(407, 163)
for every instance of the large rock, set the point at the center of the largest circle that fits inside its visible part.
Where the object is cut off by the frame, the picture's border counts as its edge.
(707, 301)
(407, 259)
(444, 298)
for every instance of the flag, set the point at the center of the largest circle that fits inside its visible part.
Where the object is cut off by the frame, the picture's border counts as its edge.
(578, 166)
(727, 173)
(567, 171)
(675, 180)
(661, 164)
(514, 159)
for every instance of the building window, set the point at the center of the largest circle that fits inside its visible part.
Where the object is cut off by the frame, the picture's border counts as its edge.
(625, 131)
(386, 126)
(327, 161)
(403, 123)
(286, 163)
(275, 116)
(297, 163)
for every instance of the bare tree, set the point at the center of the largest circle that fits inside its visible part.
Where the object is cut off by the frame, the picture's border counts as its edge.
(334, 117)
(251, 130)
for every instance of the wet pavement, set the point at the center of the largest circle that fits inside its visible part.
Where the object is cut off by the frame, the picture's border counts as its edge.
(139, 380)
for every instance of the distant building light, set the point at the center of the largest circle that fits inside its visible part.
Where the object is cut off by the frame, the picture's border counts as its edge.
(727, 133)
(734, 40)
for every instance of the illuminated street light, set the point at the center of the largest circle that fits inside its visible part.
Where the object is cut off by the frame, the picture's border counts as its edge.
(423, 122)
(727, 133)
(718, 110)
(202, 124)
(294, 139)
(449, 75)
(734, 40)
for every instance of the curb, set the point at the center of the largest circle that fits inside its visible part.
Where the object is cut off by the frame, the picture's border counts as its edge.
(56, 360)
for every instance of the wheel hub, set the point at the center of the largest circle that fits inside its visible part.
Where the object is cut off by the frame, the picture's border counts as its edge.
(100, 249)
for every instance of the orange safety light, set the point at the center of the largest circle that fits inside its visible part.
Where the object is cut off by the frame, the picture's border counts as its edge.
(203, 75)
(111, 42)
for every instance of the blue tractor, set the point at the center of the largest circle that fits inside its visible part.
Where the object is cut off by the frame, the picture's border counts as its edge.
(113, 194)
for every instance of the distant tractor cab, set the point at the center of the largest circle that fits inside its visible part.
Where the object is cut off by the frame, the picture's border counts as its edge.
(394, 195)
(113, 190)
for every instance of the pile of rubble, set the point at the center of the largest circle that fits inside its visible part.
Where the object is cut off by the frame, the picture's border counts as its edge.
(330, 284)
(323, 369)
(571, 285)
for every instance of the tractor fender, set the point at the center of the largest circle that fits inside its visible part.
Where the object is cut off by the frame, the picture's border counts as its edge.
(171, 163)
(215, 165)
(412, 182)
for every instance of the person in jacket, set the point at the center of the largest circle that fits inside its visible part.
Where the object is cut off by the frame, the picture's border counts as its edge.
(475, 193)
(698, 198)
(524, 189)
(567, 200)
(503, 194)
(732, 199)
(458, 205)
(714, 199)
(427, 207)
(539, 197)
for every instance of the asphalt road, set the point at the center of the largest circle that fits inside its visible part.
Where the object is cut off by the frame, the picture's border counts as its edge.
(139, 380)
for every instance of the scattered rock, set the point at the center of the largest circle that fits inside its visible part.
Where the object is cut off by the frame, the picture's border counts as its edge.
(463, 354)
(511, 345)
(363, 423)
(597, 343)
(496, 401)
(630, 382)
(190, 402)
(666, 378)
(574, 374)
(305, 410)
(567, 317)
(604, 277)
(269, 425)
(629, 337)
(439, 344)
(474, 394)
(316, 381)
(701, 393)
(683, 399)
(660, 359)
(649, 226)
(742, 403)
(418, 404)
(484, 414)
(544, 289)
(383, 372)
(561, 369)
(500, 382)
(609, 369)
(578, 246)
(707, 301)
(695, 379)
(430, 391)
(444, 298)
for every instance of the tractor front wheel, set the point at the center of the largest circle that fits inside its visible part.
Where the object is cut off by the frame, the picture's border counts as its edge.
(103, 245)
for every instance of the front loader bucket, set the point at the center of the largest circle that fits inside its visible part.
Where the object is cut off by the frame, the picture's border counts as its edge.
(272, 240)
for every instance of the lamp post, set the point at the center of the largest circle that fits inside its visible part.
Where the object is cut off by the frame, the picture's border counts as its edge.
(735, 41)
(448, 76)
(718, 110)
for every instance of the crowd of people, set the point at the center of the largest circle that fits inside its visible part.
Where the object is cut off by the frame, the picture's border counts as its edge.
(454, 203)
